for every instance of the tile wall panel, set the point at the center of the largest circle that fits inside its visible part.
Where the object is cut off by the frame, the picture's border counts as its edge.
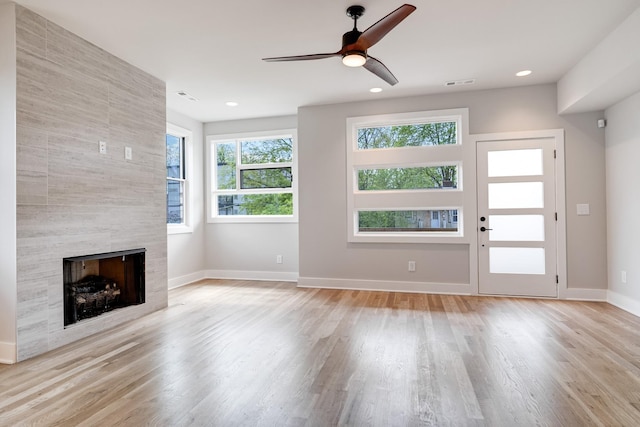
(72, 200)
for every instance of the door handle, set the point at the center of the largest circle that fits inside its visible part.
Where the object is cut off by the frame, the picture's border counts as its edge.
(483, 229)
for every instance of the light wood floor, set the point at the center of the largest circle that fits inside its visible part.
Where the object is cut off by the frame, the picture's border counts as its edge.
(227, 353)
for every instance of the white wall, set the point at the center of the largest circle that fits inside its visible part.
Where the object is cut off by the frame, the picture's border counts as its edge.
(623, 202)
(186, 251)
(249, 250)
(326, 257)
(8, 279)
(605, 75)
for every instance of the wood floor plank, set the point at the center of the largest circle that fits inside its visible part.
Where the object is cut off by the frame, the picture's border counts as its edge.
(232, 352)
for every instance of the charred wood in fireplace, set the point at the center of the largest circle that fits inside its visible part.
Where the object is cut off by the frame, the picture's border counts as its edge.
(92, 296)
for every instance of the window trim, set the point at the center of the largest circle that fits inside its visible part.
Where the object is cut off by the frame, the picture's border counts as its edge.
(460, 154)
(212, 192)
(187, 225)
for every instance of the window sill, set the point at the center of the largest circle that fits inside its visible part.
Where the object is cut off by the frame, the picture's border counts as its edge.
(253, 220)
(179, 229)
(448, 238)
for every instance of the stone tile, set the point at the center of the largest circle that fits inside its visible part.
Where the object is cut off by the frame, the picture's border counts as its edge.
(32, 327)
(31, 167)
(31, 32)
(76, 54)
(122, 73)
(59, 101)
(72, 199)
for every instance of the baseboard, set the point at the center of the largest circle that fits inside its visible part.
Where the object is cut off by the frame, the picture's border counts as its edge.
(177, 282)
(276, 276)
(624, 302)
(387, 286)
(8, 354)
(583, 294)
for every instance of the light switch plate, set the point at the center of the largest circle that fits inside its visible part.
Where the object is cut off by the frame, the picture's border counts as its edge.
(583, 209)
(128, 153)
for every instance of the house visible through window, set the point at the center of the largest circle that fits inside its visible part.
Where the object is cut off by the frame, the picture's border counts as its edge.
(175, 179)
(403, 176)
(253, 177)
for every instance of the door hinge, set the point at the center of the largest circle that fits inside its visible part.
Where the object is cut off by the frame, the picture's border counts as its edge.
(557, 279)
(556, 216)
(554, 154)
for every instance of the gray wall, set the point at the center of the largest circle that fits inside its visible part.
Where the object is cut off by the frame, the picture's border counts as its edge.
(186, 251)
(623, 173)
(250, 250)
(71, 200)
(324, 252)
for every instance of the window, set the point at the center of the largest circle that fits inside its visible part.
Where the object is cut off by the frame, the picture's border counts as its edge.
(178, 144)
(404, 177)
(252, 177)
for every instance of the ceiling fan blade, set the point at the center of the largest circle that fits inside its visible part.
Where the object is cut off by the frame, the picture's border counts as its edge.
(377, 31)
(380, 70)
(301, 57)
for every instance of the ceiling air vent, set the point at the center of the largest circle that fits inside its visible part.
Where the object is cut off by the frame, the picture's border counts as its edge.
(460, 82)
(186, 95)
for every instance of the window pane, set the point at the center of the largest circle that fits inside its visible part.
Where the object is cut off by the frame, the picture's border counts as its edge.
(515, 162)
(516, 260)
(256, 204)
(265, 178)
(174, 157)
(266, 151)
(408, 221)
(226, 170)
(175, 202)
(516, 195)
(408, 178)
(514, 228)
(416, 135)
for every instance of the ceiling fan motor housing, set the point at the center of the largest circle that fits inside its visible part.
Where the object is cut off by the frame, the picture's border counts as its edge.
(350, 37)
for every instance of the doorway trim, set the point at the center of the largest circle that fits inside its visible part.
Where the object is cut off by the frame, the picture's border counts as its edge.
(561, 226)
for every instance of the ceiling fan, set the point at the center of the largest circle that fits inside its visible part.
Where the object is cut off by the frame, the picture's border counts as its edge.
(355, 43)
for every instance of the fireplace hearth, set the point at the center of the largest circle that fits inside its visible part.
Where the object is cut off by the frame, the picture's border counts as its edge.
(99, 283)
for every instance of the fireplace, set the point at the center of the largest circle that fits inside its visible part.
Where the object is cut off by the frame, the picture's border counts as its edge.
(96, 284)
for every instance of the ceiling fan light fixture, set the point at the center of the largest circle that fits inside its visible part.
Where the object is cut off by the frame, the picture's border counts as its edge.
(354, 59)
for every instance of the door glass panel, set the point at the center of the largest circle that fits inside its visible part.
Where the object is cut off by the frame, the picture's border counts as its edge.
(515, 162)
(514, 228)
(516, 195)
(516, 260)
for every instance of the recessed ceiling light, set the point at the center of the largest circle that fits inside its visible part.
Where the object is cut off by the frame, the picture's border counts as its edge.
(231, 104)
(375, 90)
(523, 73)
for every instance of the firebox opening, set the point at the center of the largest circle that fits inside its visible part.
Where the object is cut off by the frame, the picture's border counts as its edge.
(96, 284)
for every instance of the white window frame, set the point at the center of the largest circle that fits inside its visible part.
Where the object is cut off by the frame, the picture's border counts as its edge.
(187, 225)
(213, 193)
(458, 154)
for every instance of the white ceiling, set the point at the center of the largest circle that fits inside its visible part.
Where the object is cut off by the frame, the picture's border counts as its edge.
(212, 49)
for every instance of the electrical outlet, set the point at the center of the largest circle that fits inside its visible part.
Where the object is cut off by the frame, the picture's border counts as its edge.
(412, 266)
(103, 147)
(623, 276)
(278, 259)
(128, 153)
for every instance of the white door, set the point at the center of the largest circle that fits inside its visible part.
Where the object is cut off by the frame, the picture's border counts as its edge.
(517, 217)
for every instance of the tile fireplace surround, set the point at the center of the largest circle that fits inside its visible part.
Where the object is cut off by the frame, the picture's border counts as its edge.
(71, 199)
